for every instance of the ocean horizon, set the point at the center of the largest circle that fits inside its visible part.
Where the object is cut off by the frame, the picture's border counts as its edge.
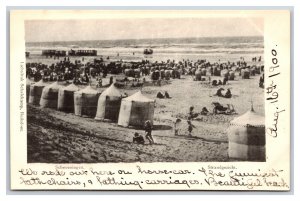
(224, 47)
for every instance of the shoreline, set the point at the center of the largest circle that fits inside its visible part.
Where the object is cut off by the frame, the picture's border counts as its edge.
(137, 58)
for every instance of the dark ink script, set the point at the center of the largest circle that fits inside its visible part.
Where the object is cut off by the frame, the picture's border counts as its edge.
(141, 178)
(272, 94)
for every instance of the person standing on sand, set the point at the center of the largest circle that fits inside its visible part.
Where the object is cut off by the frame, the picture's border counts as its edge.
(190, 127)
(176, 128)
(100, 82)
(111, 80)
(191, 113)
(148, 130)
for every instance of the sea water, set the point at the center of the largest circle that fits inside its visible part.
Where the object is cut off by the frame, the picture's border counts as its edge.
(210, 48)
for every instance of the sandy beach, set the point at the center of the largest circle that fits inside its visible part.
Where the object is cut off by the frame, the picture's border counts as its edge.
(60, 137)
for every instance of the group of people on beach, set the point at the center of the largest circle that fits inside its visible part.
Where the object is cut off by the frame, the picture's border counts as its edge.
(83, 70)
(160, 95)
(190, 127)
(226, 95)
(81, 73)
(139, 139)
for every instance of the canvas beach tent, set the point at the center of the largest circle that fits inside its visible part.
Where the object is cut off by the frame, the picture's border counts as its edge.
(231, 75)
(109, 104)
(225, 73)
(50, 96)
(28, 84)
(246, 136)
(245, 73)
(203, 71)
(135, 110)
(66, 98)
(216, 71)
(36, 92)
(198, 75)
(85, 102)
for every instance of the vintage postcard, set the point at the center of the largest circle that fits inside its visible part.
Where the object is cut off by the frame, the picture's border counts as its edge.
(150, 100)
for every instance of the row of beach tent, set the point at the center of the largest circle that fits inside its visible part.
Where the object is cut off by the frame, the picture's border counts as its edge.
(88, 102)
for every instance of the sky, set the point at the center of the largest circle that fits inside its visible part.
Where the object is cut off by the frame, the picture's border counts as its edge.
(111, 29)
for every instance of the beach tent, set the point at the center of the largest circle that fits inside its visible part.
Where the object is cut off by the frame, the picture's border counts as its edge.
(85, 102)
(109, 104)
(129, 72)
(193, 70)
(28, 84)
(137, 73)
(252, 71)
(135, 110)
(155, 75)
(36, 92)
(245, 74)
(216, 71)
(198, 75)
(50, 96)
(168, 74)
(225, 73)
(257, 70)
(231, 75)
(66, 98)
(147, 71)
(162, 73)
(176, 73)
(180, 71)
(246, 136)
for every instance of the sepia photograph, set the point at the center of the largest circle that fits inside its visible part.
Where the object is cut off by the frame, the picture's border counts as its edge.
(145, 90)
(150, 100)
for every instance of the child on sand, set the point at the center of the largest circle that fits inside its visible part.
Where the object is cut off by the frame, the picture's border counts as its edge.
(148, 130)
(138, 139)
(176, 128)
(190, 127)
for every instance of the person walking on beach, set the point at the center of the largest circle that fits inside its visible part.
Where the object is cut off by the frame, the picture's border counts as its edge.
(191, 114)
(190, 127)
(148, 130)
